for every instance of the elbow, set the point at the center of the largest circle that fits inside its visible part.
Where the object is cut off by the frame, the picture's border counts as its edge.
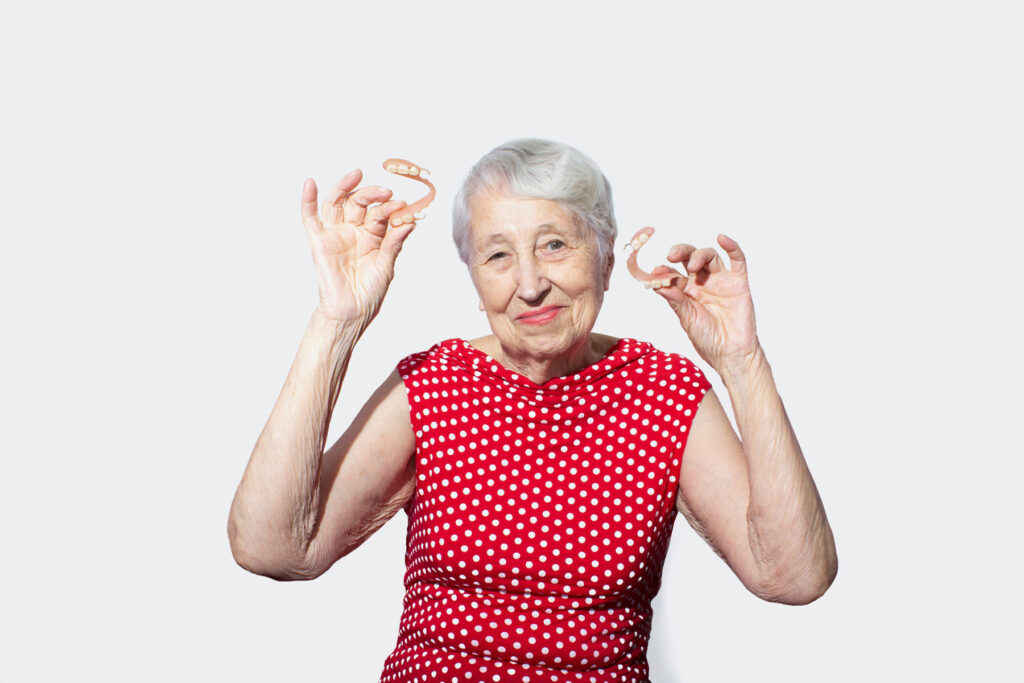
(803, 594)
(803, 590)
(264, 565)
(264, 562)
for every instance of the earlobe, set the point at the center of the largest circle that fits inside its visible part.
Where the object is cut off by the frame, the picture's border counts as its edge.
(481, 305)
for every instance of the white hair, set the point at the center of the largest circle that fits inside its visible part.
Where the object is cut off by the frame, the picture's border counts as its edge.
(541, 169)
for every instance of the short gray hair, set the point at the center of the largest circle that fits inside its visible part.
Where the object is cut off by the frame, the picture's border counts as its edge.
(541, 169)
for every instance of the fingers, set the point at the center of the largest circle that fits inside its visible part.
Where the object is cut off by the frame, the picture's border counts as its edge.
(377, 216)
(737, 261)
(683, 253)
(666, 271)
(695, 260)
(355, 205)
(682, 291)
(343, 187)
(675, 294)
(392, 243)
(381, 212)
(369, 206)
(332, 205)
(310, 218)
(680, 253)
(702, 259)
(664, 278)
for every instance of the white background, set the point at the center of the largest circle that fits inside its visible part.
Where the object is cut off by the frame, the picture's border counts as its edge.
(157, 280)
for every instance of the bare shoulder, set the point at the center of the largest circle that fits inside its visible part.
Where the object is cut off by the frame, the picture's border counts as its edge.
(393, 398)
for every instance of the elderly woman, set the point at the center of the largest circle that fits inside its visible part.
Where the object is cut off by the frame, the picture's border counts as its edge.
(541, 466)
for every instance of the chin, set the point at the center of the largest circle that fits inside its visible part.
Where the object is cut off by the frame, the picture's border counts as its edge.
(551, 343)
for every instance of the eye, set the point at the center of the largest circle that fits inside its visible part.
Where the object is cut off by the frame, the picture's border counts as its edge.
(555, 244)
(496, 255)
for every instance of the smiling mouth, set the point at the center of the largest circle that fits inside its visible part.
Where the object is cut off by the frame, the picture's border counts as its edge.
(542, 315)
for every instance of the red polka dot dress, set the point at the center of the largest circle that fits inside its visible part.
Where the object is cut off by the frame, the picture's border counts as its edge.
(541, 515)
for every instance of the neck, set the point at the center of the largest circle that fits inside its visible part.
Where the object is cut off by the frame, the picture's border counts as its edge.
(540, 369)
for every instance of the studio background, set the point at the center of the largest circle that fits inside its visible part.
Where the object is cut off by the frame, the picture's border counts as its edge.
(157, 281)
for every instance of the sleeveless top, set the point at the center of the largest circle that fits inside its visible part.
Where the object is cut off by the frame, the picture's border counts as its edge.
(541, 515)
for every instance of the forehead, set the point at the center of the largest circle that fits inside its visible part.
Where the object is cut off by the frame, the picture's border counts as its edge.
(495, 214)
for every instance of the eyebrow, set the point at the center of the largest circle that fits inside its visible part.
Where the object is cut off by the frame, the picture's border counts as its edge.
(499, 237)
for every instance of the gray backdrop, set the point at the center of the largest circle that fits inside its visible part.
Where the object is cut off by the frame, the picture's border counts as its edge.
(157, 281)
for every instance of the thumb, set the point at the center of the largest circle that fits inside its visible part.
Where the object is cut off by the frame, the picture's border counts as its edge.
(681, 303)
(392, 243)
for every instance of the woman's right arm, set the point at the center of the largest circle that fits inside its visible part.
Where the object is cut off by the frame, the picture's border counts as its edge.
(284, 521)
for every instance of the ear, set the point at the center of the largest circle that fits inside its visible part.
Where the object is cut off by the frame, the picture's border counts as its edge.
(481, 305)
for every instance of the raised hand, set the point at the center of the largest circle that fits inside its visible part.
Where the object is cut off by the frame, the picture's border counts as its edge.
(354, 249)
(712, 301)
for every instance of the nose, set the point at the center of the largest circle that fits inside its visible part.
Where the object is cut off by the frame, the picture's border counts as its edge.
(532, 283)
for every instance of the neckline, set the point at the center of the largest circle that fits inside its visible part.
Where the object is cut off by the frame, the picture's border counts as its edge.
(624, 351)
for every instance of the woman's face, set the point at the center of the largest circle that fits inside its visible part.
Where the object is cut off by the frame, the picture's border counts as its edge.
(537, 272)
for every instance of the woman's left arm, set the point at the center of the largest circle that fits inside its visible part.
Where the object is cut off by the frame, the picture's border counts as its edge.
(753, 498)
(788, 533)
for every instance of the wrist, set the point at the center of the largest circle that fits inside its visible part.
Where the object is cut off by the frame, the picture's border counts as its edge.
(342, 322)
(741, 369)
(348, 328)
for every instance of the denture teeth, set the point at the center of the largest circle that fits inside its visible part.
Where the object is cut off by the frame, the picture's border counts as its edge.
(419, 216)
(424, 172)
(413, 170)
(403, 169)
(407, 219)
(392, 167)
(643, 238)
(636, 244)
(396, 221)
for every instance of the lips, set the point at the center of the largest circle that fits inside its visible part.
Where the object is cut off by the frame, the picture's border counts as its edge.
(541, 315)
